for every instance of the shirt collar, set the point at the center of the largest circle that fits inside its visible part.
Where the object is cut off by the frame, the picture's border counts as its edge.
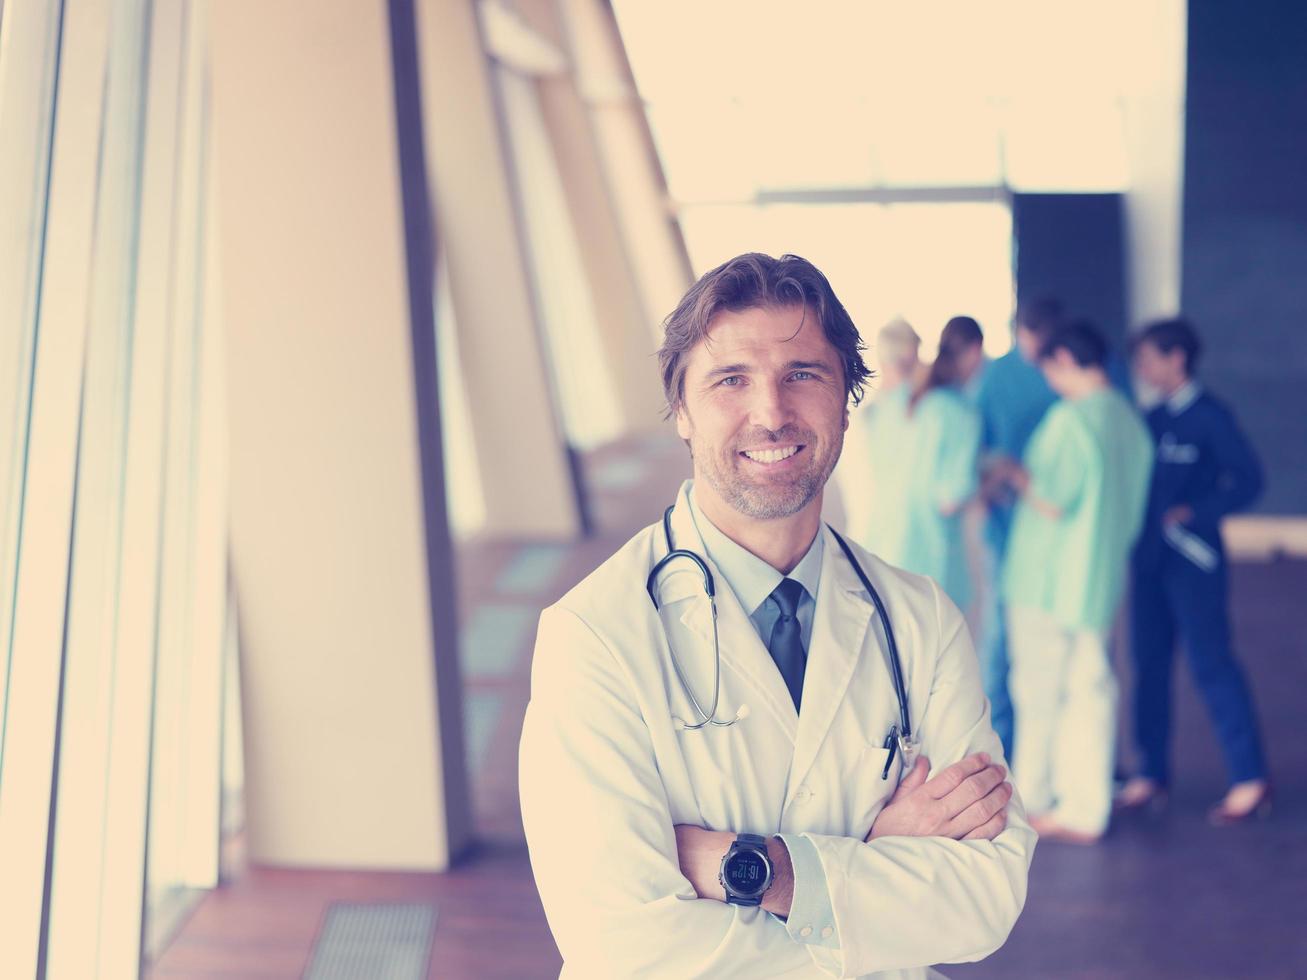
(750, 578)
(1183, 397)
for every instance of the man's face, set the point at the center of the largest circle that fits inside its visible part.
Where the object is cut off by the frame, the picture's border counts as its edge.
(764, 410)
(969, 362)
(1164, 372)
(1028, 344)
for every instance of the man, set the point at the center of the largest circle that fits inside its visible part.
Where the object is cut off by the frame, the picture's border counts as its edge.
(1012, 400)
(1205, 469)
(674, 747)
(1083, 488)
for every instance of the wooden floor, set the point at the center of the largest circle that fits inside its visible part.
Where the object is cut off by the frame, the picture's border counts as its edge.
(1166, 897)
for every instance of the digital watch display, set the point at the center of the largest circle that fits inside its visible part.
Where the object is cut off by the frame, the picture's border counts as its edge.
(746, 871)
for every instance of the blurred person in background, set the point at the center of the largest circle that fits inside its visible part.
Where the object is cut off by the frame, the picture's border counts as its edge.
(875, 468)
(943, 432)
(1205, 469)
(1012, 399)
(1083, 488)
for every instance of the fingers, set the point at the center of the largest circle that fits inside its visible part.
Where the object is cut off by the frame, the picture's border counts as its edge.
(978, 820)
(951, 778)
(973, 789)
(913, 779)
(991, 828)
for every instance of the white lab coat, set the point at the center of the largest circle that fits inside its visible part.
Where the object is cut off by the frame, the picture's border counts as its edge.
(605, 773)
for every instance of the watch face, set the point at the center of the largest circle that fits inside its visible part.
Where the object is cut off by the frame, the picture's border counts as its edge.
(746, 872)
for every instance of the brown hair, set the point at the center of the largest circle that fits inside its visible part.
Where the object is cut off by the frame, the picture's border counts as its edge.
(1041, 315)
(959, 333)
(757, 280)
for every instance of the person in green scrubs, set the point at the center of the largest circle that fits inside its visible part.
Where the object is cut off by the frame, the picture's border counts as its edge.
(909, 463)
(944, 429)
(1083, 487)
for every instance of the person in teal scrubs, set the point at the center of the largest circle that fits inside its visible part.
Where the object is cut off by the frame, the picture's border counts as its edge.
(944, 429)
(909, 463)
(1013, 397)
(1083, 488)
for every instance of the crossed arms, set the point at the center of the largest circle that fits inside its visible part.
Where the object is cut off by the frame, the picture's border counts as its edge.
(966, 801)
(608, 859)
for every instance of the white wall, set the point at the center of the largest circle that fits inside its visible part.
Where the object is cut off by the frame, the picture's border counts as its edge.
(328, 539)
(1154, 83)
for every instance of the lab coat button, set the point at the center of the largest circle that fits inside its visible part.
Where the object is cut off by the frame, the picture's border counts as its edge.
(827, 932)
(802, 794)
(806, 931)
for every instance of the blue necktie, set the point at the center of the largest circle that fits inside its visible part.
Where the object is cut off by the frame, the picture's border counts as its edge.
(786, 643)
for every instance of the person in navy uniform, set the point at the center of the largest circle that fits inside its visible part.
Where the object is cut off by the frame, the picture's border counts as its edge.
(1204, 469)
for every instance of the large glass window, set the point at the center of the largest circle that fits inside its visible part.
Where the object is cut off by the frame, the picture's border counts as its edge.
(880, 140)
(582, 386)
(113, 587)
(28, 40)
(186, 751)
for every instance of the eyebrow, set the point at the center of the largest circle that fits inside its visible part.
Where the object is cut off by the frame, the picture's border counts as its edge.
(808, 365)
(729, 369)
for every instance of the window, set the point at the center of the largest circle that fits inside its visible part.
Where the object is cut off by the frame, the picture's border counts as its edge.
(113, 593)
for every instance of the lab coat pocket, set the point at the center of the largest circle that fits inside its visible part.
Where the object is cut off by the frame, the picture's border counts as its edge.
(865, 791)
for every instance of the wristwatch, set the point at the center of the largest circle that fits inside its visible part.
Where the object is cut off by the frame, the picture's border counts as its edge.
(746, 870)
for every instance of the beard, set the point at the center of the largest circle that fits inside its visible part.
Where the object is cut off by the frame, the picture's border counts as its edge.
(758, 495)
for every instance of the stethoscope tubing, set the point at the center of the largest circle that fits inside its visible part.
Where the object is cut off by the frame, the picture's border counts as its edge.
(896, 667)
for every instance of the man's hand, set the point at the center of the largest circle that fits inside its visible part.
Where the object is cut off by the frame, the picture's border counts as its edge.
(994, 473)
(1018, 477)
(700, 853)
(1181, 514)
(967, 801)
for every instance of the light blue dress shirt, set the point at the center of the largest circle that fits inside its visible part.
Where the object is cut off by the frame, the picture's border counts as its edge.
(753, 581)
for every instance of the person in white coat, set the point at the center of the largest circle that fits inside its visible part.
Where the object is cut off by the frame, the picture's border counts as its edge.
(875, 469)
(667, 750)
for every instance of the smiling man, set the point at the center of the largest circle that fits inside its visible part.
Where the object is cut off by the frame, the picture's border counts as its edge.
(753, 749)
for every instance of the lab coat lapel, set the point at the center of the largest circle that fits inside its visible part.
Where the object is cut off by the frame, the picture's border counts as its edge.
(742, 650)
(839, 629)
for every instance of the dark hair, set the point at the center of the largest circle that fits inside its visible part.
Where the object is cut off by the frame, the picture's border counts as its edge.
(756, 280)
(1079, 338)
(1167, 335)
(1041, 315)
(959, 333)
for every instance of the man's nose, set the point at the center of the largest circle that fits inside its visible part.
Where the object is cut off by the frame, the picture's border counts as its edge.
(771, 406)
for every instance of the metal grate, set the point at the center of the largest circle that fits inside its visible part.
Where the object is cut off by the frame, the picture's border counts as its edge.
(373, 942)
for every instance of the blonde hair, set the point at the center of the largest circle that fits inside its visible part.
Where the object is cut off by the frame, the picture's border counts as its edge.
(897, 342)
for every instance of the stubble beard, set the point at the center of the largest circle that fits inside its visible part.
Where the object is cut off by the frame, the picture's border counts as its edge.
(763, 501)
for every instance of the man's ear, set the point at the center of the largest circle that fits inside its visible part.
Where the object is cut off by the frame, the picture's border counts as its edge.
(683, 427)
(846, 416)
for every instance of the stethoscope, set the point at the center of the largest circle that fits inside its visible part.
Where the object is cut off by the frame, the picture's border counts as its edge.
(900, 736)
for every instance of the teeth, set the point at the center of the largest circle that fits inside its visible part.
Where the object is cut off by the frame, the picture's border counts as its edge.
(771, 455)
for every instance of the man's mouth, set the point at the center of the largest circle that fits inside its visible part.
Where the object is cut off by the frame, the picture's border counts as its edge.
(771, 454)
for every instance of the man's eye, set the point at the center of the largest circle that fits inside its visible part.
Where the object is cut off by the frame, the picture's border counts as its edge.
(801, 375)
(733, 381)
